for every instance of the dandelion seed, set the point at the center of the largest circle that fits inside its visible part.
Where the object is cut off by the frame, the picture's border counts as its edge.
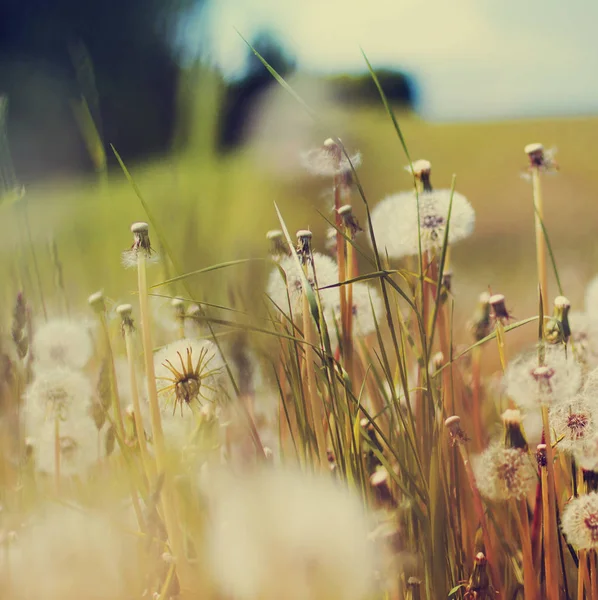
(329, 160)
(326, 271)
(56, 391)
(574, 422)
(187, 372)
(503, 473)
(395, 221)
(557, 381)
(286, 535)
(62, 343)
(580, 521)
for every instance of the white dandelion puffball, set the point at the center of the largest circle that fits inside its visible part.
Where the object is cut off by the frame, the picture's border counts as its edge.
(62, 343)
(326, 272)
(367, 308)
(503, 473)
(67, 553)
(78, 438)
(584, 337)
(55, 391)
(395, 221)
(574, 422)
(279, 534)
(580, 522)
(188, 372)
(586, 453)
(557, 381)
(329, 160)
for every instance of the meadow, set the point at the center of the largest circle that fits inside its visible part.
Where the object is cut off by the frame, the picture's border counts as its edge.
(306, 420)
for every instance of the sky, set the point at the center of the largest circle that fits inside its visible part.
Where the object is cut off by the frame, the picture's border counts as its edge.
(470, 59)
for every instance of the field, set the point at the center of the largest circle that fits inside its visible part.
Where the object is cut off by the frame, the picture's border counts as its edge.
(258, 450)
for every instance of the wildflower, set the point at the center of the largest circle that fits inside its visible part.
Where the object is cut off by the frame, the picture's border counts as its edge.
(277, 534)
(187, 371)
(556, 381)
(141, 244)
(574, 422)
(503, 473)
(62, 343)
(56, 391)
(329, 160)
(580, 521)
(64, 552)
(326, 271)
(395, 221)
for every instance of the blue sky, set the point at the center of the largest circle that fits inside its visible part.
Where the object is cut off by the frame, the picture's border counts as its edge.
(471, 59)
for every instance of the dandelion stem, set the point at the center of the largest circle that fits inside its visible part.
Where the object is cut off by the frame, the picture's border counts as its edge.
(146, 460)
(581, 574)
(529, 574)
(479, 509)
(315, 405)
(156, 422)
(351, 270)
(549, 514)
(540, 240)
(475, 387)
(57, 453)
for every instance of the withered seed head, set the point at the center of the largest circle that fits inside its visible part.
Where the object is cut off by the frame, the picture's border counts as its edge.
(541, 455)
(97, 302)
(453, 424)
(278, 247)
(499, 308)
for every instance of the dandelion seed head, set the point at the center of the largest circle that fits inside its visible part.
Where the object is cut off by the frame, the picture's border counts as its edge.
(576, 422)
(580, 521)
(62, 343)
(56, 391)
(557, 381)
(586, 452)
(326, 272)
(188, 372)
(367, 309)
(65, 552)
(395, 221)
(77, 437)
(279, 534)
(329, 160)
(584, 338)
(503, 473)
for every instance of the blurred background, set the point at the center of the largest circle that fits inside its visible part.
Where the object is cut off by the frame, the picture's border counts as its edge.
(213, 141)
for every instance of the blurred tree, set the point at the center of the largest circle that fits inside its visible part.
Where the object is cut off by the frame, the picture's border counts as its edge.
(118, 54)
(242, 95)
